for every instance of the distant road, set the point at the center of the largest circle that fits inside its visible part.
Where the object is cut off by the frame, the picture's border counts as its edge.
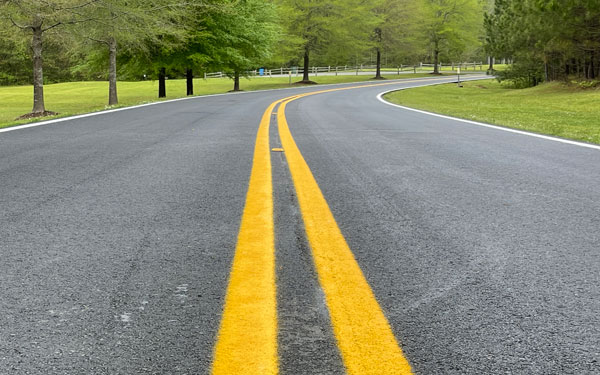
(476, 250)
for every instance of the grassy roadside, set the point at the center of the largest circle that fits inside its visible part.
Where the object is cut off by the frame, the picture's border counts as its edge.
(82, 97)
(553, 109)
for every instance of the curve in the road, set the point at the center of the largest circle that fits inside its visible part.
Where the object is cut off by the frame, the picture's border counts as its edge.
(247, 338)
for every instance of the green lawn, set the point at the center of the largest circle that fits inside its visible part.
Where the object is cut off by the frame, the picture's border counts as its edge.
(555, 109)
(83, 97)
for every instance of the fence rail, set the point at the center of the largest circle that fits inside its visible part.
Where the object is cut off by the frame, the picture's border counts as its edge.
(346, 69)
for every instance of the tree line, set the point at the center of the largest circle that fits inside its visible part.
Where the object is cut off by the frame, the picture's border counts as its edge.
(548, 40)
(65, 40)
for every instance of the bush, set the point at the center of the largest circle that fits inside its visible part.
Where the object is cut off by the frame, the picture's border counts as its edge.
(522, 74)
(587, 84)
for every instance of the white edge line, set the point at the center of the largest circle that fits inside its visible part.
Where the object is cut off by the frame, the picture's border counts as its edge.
(104, 112)
(546, 137)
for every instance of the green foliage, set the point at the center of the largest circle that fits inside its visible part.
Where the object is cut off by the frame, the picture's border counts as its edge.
(242, 35)
(587, 84)
(335, 31)
(232, 35)
(558, 38)
(402, 34)
(14, 62)
(16, 22)
(525, 74)
(137, 26)
(452, 27)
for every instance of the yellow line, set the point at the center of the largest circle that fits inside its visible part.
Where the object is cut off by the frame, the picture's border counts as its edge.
(247, 340)
(364, 336)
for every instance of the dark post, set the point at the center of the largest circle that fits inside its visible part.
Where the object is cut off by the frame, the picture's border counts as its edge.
(190, 82)
(378, 69)
(162, 89)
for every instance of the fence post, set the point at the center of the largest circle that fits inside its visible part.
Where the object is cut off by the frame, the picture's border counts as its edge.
(336, 71)
(205, 76)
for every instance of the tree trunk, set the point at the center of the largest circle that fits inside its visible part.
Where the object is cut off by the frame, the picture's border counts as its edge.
(162, 89)
(378, 70)
(112, 72)
(491, 67)
(38, 74)
(190, 82)
(236, 81)
(305, 77)
(436, 60)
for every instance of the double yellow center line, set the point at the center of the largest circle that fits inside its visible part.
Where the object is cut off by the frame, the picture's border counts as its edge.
(247, 339)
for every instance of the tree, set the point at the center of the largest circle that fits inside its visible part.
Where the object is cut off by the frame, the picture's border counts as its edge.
(131, 26)
(398, 33)
(548, 40)
(451, 25)
(242, 36)
(38, 18)
(334, 28)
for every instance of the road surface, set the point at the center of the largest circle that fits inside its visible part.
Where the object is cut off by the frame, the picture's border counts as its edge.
(479, 249)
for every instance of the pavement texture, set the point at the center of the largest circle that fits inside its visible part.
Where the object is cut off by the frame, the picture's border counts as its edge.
(118, 231)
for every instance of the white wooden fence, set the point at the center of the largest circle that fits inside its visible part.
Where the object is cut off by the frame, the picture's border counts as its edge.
(346, 69)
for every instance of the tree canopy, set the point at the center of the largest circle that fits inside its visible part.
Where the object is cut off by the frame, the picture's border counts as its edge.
(104, 39)
(548, 40)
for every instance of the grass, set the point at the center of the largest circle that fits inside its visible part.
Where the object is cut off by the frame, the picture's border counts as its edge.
(82, 97)
(554, 108)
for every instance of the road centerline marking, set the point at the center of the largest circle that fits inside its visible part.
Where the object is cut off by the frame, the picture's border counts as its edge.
(247, 338)
(364, 336)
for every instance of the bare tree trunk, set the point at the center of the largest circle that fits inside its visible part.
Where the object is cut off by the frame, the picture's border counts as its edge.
(236, 81)
(305, 77)
(378, 70)
(190, 82)
(112, 72)
(162, 89)
(38, 74)
(491, 67)
(436, 60)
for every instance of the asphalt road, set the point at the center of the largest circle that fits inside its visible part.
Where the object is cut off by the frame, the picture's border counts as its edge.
(118, 232)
